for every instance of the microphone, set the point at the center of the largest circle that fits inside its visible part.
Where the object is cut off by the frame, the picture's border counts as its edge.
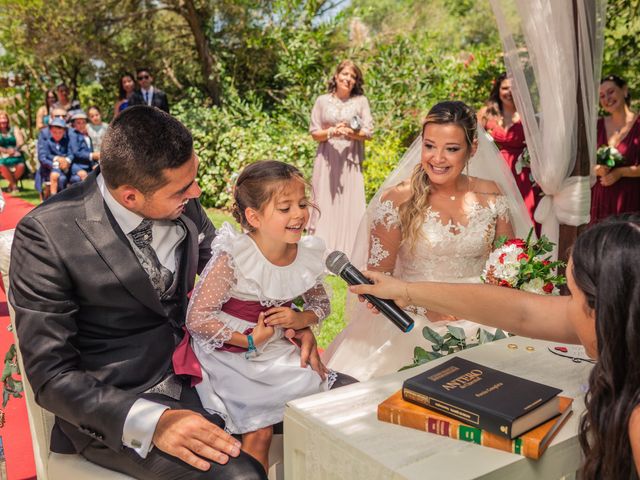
(338, 263)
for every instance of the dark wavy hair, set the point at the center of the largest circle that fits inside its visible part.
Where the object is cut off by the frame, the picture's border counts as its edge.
(494, 104)
(122, 94)
(606, 267)
(620, 83)
(358, 88)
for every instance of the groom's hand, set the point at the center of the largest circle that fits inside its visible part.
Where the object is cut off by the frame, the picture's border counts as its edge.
(309, 351)
(190, 437)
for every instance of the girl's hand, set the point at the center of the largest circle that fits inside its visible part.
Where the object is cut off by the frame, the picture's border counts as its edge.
(610, 178)
(601, 170)
(261, 333)
(286, 317)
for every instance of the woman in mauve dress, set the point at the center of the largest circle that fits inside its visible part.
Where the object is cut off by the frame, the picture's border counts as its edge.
(340, 123)
(617, 190)
(500, 119)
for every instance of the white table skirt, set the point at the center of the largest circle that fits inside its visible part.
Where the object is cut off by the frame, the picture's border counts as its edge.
(336, 435)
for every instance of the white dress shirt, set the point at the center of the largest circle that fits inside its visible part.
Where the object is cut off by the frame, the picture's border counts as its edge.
(147, 94)
(143, 416)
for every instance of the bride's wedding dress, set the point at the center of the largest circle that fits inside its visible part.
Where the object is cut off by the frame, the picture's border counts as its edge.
(370, 345)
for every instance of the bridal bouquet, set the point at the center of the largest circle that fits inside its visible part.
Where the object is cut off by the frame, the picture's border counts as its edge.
(609, 157)
(525, 265)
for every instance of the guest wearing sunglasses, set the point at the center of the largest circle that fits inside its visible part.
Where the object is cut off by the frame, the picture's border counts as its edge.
(147, 94)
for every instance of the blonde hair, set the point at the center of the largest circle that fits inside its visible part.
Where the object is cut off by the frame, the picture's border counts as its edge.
(6, 114)
(413, 210)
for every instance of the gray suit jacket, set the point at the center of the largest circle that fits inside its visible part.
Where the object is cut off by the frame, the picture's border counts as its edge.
(93, 333)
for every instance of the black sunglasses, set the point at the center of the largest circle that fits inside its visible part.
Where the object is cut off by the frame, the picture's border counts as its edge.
(143, 77)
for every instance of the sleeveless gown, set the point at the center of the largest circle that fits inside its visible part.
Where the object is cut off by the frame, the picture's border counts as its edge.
(512, 142)
(624, 195)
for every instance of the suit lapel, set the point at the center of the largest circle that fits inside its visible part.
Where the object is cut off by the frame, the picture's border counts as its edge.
(106, 236)
(191, 254)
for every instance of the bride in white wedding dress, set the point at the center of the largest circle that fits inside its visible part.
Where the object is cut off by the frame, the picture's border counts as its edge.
(435, 218)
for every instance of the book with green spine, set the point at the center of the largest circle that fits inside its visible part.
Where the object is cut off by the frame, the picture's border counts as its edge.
(483, 397)
(531, 444)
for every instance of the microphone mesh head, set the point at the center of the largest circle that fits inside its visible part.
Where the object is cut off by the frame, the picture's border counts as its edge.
(336, 261)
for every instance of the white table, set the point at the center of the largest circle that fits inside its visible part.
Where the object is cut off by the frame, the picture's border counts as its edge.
(336, 435)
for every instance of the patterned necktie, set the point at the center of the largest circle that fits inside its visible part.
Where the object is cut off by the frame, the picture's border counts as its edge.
(160, 276)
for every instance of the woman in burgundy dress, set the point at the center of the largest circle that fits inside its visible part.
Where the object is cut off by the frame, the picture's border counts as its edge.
(617, 190)
(500, 119)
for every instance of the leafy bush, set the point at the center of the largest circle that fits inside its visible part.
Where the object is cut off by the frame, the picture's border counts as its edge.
(404, 78)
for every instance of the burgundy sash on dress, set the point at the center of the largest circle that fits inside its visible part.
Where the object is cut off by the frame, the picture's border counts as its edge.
(184, 359)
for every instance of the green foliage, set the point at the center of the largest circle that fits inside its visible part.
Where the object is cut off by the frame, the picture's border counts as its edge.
(621, 42)
(453, 341)
(12, 387)
(402, 83)
(334, 323)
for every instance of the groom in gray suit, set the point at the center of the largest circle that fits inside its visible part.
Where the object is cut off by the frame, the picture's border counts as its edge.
(99, 281)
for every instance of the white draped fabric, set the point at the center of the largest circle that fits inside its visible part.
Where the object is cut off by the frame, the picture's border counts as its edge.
(548, 50)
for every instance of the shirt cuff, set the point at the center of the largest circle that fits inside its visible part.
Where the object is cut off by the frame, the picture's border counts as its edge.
(140, 425)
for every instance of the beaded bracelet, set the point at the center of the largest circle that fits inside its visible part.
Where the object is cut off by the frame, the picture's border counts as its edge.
(251, 350)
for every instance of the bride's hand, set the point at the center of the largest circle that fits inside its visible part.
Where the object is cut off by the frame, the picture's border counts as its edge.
(384, 286)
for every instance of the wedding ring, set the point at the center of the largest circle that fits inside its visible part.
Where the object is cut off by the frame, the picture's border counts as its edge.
(512, 346)
(529, 348)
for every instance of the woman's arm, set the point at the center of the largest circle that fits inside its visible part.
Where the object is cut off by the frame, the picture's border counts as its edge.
(616, 174)
(634, 437)
(19, 138)
(386, 233)
(42, 111)
(522, 313)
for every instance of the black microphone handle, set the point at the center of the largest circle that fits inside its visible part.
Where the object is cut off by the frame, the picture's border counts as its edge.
(388, 308)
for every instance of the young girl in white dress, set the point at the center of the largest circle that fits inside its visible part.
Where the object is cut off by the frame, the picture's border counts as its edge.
(241, 308)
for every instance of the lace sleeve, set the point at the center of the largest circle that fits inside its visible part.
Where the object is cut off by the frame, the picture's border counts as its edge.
(317, 300)
(386, 237)
(211, 292)
(503, 221)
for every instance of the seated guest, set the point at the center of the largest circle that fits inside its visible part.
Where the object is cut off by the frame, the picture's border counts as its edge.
(97, 346)
(97, 128)
(56, 112)
(55, 160)
(11, 159)
(81, 148)
(64, 99)
(43, 116)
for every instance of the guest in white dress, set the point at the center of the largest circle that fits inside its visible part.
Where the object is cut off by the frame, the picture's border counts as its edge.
(241, 308)
(440, 224)
(340, 123)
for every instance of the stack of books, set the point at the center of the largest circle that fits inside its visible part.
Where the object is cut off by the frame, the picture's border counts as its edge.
(464, 400)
